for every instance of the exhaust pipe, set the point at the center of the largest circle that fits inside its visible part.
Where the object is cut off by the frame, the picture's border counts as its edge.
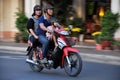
(31, 61)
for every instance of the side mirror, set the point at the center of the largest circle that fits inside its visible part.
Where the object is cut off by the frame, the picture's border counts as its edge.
(70, 29)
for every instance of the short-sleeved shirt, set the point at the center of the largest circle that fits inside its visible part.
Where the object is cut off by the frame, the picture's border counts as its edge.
(32, 24)
(43, 20)
(48, 35)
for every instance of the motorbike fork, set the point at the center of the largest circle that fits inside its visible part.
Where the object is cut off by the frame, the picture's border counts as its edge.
(69, 64)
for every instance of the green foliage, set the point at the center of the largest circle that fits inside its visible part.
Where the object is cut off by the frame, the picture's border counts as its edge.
(97, 39)
(24, 36)
(62, 10)
(109, 24)
(21, 21)
(65, 11)
(116, 43)
(97, 36)
(77, 22)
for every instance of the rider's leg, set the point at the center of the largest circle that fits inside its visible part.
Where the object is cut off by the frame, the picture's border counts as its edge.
(44, 41)
(34, 46)
(34, 54)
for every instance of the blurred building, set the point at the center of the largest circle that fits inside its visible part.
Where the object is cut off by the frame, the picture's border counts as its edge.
(84, 8)
(8, 8)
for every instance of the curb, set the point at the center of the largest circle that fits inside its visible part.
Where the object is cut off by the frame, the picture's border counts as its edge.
(24, 48)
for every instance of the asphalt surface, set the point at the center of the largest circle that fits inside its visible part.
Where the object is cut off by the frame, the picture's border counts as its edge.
(14, 67)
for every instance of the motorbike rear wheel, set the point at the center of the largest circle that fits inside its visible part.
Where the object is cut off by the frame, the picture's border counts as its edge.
(75, 66)
(33, 66)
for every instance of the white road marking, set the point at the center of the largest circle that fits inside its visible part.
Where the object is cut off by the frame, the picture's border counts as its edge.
(13, 57)
(13, 48)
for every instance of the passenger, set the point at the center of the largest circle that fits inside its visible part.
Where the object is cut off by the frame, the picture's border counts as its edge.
(53, 28)
(32, 26)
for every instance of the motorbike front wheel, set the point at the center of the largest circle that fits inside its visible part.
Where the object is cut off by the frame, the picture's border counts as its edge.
(33, 66)
(75, 66)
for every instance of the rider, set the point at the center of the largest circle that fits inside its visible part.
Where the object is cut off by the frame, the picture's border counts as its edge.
(44, 22)
(32, 26)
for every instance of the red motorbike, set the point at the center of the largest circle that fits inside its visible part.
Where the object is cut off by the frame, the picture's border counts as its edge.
(64, 56)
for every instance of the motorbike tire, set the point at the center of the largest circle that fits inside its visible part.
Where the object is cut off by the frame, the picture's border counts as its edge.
(75, 64)
(33, 66)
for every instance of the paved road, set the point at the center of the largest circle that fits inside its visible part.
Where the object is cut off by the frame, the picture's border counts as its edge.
(14, 67)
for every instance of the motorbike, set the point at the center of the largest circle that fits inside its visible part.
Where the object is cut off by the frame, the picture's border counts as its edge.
(63, 56)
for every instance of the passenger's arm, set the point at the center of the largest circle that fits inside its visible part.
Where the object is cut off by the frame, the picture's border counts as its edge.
(30, 26)
(32, 32)
(43, 27)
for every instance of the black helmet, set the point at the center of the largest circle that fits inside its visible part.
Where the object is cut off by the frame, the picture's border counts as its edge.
(37, 7)
(48, 7)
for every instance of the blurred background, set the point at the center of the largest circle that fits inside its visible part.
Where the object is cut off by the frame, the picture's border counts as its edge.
(83, 14)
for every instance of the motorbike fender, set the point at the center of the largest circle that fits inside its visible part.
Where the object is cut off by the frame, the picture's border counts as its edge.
(66, 51)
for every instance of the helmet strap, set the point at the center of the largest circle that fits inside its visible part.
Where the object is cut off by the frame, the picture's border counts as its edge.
(47, 13)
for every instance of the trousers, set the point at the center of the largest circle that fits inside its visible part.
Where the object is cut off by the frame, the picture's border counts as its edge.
(45, 42)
